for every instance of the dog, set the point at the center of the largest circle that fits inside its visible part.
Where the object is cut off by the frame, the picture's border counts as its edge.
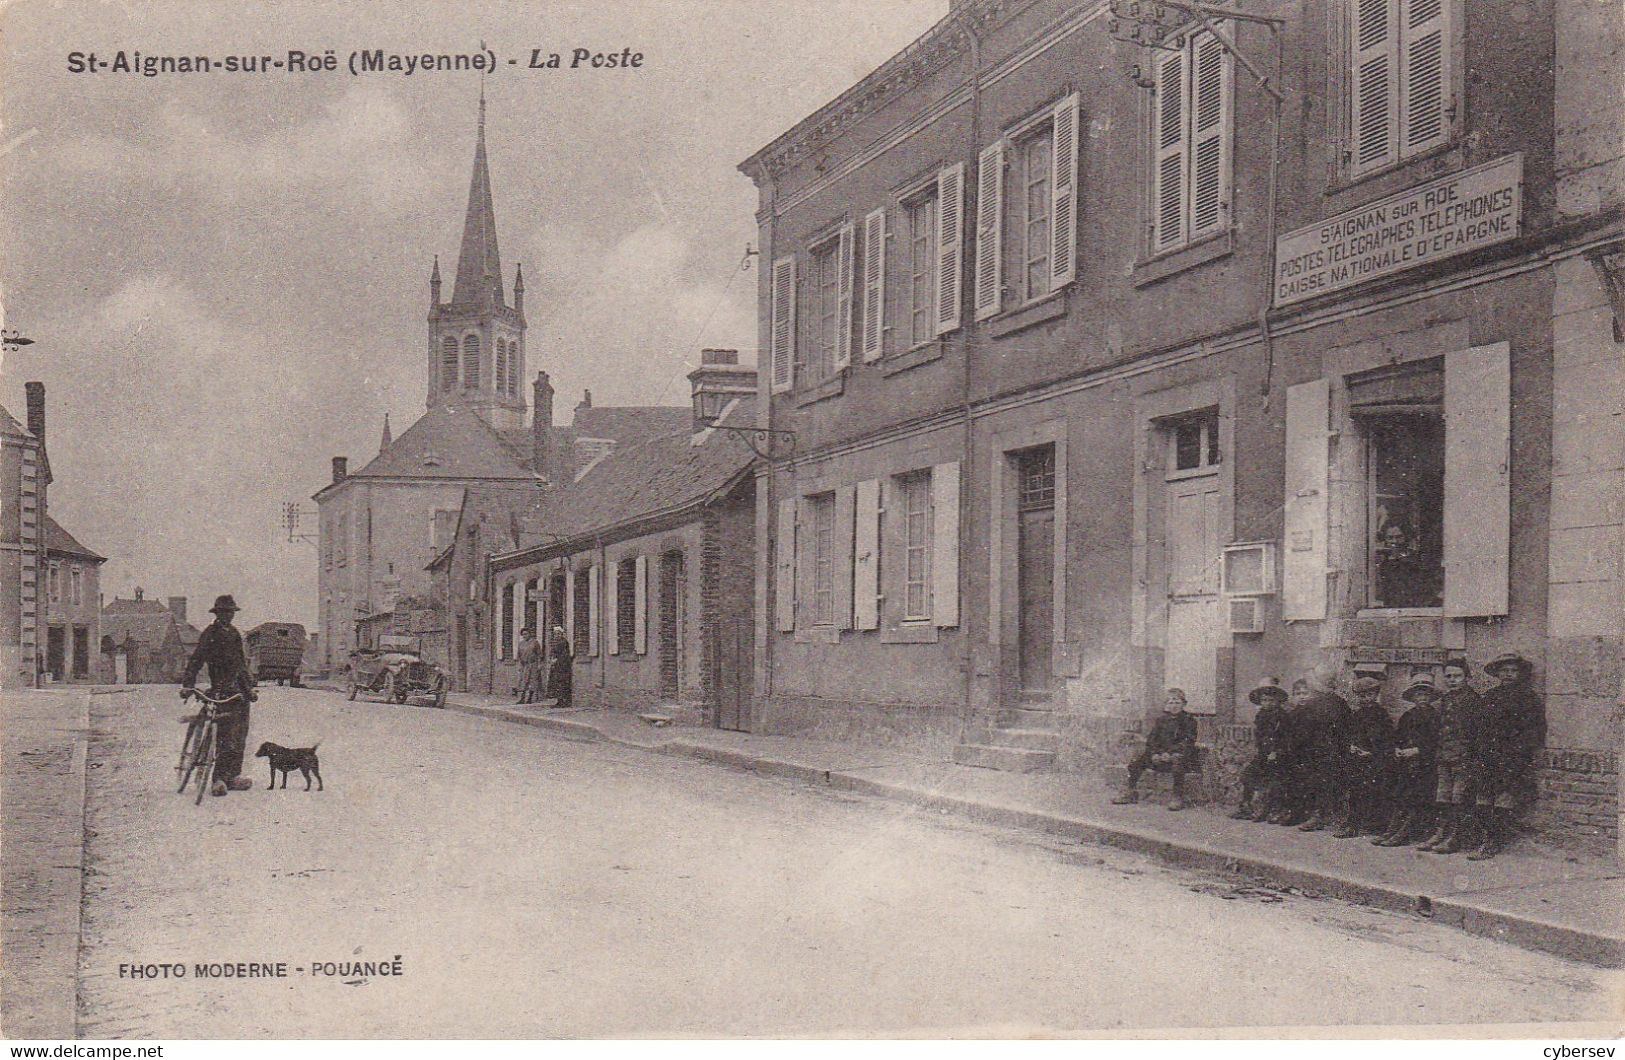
(287, 759)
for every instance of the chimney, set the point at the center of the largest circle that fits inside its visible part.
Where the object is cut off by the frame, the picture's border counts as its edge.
(341, 469)
(585, 402)
(541, 426)
(140, 593)
(718, 382)
(177, 607)
(36, 410)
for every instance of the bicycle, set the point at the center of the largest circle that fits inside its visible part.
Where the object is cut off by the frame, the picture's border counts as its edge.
(200, 745)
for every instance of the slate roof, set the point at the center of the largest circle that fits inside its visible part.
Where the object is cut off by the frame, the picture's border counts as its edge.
(661, 472)
(10, 427)
(59, 540)
(117, 606)
(147, 629)
(449, 441)
(629, 424)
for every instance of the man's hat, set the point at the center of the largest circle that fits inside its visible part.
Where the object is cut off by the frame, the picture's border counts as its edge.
(1270, 687)
(1509, 657)
(1176, 693)
(1417, 685)
(1365, 684)
(224, 604)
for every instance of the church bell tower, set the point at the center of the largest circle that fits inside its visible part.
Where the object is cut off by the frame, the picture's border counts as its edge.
(477, 340)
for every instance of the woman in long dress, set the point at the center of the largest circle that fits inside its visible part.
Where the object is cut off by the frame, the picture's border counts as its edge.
(560, 669)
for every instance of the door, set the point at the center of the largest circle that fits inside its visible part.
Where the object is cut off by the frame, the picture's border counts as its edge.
(1194, 613)
(731, 649)
(81, 651)
(673, 619)
(462, 652)
(56, 652)
(1035, 571)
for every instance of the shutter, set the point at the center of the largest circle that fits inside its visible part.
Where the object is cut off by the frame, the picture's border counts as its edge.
(866, 556)
(1168, 138)
(783, 324)
(640, 605)
(1373, 102)
(784, 565)
(517, 623)
(945, 543)
(1064, 190)
(989, 231)
(1210, 137)
(842, 554)
(569, 622)
(843, 298)
(1424, 64)
(594, 596)
(1477, 450)
(950, 244)
(612, 605)
(533, 608)
(874, 284)
(1303, 554)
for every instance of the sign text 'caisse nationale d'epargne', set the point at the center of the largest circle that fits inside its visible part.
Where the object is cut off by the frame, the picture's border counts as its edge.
(1456, 214)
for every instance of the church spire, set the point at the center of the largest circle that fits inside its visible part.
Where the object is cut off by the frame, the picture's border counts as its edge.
(479, 266)
(388, 438)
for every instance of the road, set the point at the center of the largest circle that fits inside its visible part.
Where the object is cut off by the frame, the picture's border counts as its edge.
(532, 885)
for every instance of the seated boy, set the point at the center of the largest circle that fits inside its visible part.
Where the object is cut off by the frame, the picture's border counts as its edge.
(1411, 772)
(1261, 781)
(1170, 747)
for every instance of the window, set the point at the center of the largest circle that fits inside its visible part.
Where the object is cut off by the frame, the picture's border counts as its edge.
(1030, 173)
(501, 380)
(1405, 493)
(919, 269)
(582, 621)
(1401, 96)
(1036, 468)
(1194, 442)
(823, 559)
(626, 602)
(54, 580)
(823, 311)
(1027, 209)
(471, 362)
(915, 497)
(505, 639)
(1191, 144)
(448, 363)
(76, 581)
(532, 605)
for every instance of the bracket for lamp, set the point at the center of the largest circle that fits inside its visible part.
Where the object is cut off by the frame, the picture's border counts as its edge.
(758, 438)
(1158, 24)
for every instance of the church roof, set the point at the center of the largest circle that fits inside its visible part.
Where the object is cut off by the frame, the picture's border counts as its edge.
(479, 265)
(10, 427)
(449, 441)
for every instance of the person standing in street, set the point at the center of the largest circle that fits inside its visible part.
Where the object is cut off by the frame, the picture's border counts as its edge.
(1513, 728)
(220, 648)
(1170, 747)
(532, 666)
(560, 668)
(1460, 711)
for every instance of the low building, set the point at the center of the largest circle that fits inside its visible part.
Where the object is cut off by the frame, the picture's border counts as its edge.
(145, 641)
(72, 607)
(646, 560)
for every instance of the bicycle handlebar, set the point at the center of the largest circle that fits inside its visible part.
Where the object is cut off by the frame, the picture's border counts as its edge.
(187, 693)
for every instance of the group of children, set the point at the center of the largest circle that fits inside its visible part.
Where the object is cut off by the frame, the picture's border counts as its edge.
(1452, 771)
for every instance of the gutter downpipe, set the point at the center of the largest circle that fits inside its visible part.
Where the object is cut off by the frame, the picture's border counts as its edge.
(1270, 225)
(967, 464)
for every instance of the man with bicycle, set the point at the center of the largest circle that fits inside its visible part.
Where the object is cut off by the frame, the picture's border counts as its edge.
(221, 649)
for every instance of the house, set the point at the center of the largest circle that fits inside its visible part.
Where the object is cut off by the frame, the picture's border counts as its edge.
(72, 606)
(152, 636)
(1098, 387)
(645, 559)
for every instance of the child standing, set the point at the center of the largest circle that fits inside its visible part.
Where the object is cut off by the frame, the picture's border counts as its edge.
(1459, 711)
(1513, 729)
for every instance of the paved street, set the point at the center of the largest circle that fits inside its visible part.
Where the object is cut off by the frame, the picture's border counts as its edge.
(532, 885)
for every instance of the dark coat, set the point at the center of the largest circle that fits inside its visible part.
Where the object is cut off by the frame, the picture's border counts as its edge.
(1270, 734)
(1418, 728)
(1320, 726)
(1512, 729)
(220, 648)
(1369, 729)
(1460, 715)
(1172, 734)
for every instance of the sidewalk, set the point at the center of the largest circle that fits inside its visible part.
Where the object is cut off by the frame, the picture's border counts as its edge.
(43, 741)
(1536, 897)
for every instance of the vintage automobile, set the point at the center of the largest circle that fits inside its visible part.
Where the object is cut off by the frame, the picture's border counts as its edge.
(275, 651)
(397, 671)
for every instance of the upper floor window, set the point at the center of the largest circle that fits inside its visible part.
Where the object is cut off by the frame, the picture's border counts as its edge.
(448, 363)
(471, 362)
(1191, 144)
(1027, 208)
(55, 582)
(919, 268)
(827, 318)
(76, 583)
(1400, 91)
(822, 549)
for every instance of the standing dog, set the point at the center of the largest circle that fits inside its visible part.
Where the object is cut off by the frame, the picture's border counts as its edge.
(287, 759)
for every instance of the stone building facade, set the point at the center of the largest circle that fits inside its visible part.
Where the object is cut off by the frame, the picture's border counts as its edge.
(1098, 386)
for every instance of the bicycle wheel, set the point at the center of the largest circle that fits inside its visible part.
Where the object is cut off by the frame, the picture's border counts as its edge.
(205, 762)
(183, 769)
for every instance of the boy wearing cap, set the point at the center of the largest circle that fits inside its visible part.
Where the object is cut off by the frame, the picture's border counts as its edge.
(1411, 778)
(1261, 780)
(1171, 746)
(220, 647)
(1459, 711)
(1369, 739)
(1513, 728)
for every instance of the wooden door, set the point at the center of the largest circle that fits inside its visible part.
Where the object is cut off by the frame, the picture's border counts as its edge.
(1035, 580)
(1193, 590)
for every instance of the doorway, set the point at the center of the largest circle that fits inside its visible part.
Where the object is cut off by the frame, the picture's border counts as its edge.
(673, 625)
(1035, 572)
(1192, 553)
(56, 651)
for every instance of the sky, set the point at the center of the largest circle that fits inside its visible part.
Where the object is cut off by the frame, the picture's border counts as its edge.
(226, 275)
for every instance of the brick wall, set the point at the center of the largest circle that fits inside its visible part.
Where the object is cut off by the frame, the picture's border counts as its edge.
(727, 586)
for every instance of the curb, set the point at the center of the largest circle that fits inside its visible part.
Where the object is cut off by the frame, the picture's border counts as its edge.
(1524, 932)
